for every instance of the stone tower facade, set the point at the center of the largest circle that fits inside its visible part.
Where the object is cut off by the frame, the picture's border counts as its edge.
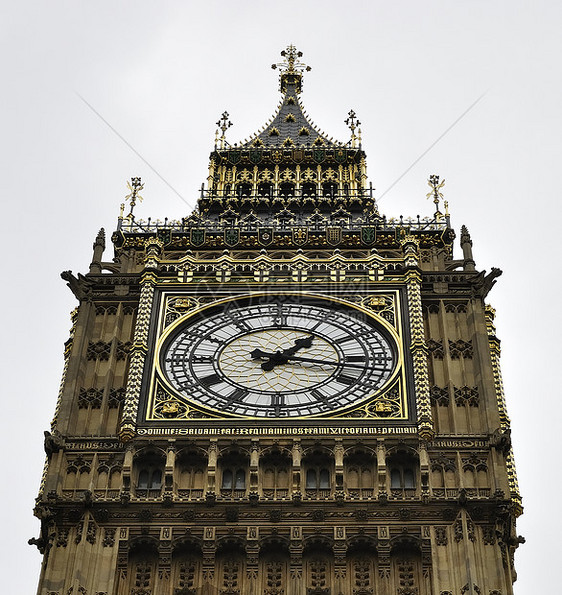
(284, 393)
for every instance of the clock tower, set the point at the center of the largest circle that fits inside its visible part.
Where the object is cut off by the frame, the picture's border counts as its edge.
(284, 393)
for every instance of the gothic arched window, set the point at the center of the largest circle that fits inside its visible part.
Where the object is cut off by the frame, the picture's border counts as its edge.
(329, 190)
(275, 472)
(286, 190)
(318, 474)
(149, 472)
(191, 474)
(360, 472)
(265, 190)
(402, 470)
(308, 190)
(233, 467)
(244, 190)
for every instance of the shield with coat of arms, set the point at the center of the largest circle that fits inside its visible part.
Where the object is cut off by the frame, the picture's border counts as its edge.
(255, 156)
(368, 234)
(234, 156)
(231, 236)
(298, 155)
(265, 235)
(318, 155)
(165, 235)
(197, 236)
(333, 235)
(401, 233)
(340, 155)
(300, 235)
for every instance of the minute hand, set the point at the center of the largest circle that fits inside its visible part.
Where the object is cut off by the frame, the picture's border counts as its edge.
(329, 363)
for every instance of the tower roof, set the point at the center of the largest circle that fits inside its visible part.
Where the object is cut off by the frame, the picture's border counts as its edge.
(290, 126)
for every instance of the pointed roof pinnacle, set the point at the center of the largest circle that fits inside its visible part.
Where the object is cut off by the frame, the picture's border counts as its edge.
(290, 126)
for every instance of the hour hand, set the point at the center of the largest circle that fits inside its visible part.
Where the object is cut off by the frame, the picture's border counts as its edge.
(273, 359)
(302, 343)
(258, 353)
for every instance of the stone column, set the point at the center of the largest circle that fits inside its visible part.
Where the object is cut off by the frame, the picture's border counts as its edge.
(381, 471)
(466, 245)
(297, 473)
(418, 347)
(99, 247)
(383, 551)
(340, 560)
(252, 559)
(209, 549)
(296, 579)
(164, 561)
(212, 451)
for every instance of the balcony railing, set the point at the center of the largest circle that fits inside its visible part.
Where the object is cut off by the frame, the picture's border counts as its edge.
(234, 494)
(275, 493)
(454, 492)
(249, 224)
(190, 494)
(318, 493)
(403, 493)
(149, 493)
(360, 492)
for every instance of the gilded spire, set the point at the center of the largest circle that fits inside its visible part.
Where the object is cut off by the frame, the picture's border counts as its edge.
(435, 186)
(291, 69)
(353, 123)
(224, 124)
(135, 186)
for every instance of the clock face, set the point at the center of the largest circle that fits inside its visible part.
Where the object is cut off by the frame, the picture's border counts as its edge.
(278, 358)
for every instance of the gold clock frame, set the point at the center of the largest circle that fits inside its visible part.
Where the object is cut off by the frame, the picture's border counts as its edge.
(389, 403)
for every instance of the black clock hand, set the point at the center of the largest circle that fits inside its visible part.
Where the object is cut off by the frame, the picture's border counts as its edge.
(329, 363)
(302, 343)
(299, 344)
(258, 353)
(280, 357)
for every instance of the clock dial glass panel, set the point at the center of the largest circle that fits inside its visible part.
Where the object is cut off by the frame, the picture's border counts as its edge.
(279, 359)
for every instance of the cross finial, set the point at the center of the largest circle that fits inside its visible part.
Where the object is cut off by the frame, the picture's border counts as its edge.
(353, 123)
(224, 124)
(135, 186)
(435, 185)
(291, 68)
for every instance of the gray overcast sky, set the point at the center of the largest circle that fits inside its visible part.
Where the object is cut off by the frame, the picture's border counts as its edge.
(162, 73)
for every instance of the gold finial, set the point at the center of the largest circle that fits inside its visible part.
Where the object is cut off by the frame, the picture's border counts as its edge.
(435, 186)
(121, 210)
(224, 124)
(135, 186)
(353, 123)
(291, 69)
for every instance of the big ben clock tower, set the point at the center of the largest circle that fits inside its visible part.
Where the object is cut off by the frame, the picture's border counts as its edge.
(284, 393)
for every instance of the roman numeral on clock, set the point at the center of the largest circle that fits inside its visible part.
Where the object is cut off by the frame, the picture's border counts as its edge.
(202, 359)
(354, 358)
(319, 396)
(344, 340)
(238, 395)
(203, 335)
(345, 379)
(237, 321)
(277, 401)
(279, 316)
(210, 380)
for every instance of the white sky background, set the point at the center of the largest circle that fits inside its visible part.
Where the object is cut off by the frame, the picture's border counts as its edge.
(162, 73)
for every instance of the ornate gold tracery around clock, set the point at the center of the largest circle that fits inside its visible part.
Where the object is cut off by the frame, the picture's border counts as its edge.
(391, 403)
